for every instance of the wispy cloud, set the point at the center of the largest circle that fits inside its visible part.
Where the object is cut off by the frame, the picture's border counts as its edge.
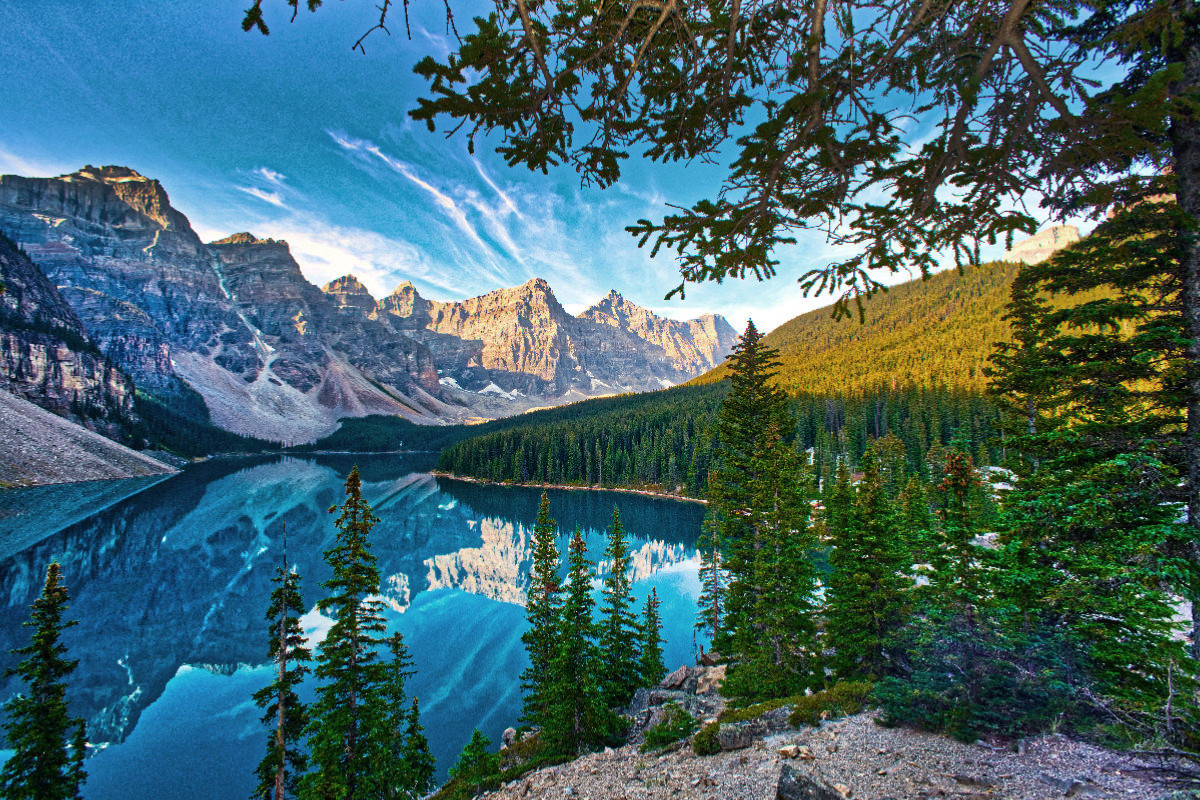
(13, 164)
(273, 198)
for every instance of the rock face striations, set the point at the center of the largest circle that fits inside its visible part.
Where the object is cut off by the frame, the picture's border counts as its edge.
(46, 356)
(690, 347)
(522, 346)
(276, 357)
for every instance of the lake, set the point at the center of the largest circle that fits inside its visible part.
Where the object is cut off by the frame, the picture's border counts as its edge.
(169, 582)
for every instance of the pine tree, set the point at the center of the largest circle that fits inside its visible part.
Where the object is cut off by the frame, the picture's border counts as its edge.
(713, 580)
(577, 717)
(476, 763)
(752, 407)
(392, 772)
(650, 656)
(542, 609)
(865, 600)
(48, 743)
(346, 731)
(917, 520)
(419, 763)
(761, 505)
(778, 655)
(619, 675)
(280, 770)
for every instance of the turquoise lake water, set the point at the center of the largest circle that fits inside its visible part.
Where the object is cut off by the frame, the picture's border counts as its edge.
(170, 586)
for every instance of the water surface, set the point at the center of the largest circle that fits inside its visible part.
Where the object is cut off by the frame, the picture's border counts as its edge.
(170, 586)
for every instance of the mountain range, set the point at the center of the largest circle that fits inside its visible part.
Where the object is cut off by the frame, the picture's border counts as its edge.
(234, 330)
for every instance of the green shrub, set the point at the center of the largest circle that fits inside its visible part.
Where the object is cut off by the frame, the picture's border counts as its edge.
(705, 742)
(514, 762)
(676, 724)
(840, 700)
(757, 710)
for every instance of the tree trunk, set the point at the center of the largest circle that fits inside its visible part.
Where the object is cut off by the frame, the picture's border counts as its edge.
(1185, 142)
(280, 739)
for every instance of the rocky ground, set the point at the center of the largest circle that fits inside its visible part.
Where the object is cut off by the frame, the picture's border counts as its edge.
(851, 757)
(38, 447)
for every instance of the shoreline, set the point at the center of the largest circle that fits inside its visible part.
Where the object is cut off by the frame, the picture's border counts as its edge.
(564, 487)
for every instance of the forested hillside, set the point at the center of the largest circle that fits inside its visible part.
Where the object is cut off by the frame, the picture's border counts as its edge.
(936, 332)
(914, 368)
(664, 440)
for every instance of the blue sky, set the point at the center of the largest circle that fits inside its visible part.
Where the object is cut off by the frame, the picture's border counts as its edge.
(294, 136)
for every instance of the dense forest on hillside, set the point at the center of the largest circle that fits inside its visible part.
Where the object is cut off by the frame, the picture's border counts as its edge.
(934, 332)
(913, 367)
(182, 426)
(665, 440)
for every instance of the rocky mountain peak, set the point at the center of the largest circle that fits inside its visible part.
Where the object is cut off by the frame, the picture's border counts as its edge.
(145, 195)
(350, 295)
(538, 286)
(110, 173)
(246, 238)
(348, 284)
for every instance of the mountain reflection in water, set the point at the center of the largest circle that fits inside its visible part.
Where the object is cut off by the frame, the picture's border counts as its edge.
(170, 588)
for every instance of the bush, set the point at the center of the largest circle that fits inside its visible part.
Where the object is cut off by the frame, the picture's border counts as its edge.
(513, 762)
(676, 724)
(758, 709)
(840, 700)
(705, 742)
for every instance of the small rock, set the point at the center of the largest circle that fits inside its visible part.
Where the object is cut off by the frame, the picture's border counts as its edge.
(806, 753)
(795, 785)
(709, 681)
(710, 659)
(789, 751)
(843, 789)
(675, 680)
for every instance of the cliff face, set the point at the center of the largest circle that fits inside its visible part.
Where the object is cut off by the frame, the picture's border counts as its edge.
(1042, 245)
(235, 320)
(522, 341)
(690, 347)
(46, 356)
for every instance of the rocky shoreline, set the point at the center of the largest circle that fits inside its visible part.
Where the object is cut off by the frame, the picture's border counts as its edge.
(853, 757)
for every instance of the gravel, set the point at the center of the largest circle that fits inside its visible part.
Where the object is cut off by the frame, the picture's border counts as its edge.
(858, 757)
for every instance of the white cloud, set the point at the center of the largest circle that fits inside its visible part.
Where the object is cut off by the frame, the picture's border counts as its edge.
(14, 164)
(326, 251)
(273, 198)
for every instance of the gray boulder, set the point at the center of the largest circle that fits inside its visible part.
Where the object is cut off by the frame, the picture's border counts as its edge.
(795, 785)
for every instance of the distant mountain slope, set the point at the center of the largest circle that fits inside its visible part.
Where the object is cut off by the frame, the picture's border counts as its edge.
(517, 348)
(46, 356)
(690, 346)
(165, 307)
(936, 332)
(37, 447)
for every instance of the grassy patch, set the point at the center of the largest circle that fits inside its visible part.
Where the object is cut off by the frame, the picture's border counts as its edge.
(843, 699)
(755, 711)
(677, 724)
(516, 761)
